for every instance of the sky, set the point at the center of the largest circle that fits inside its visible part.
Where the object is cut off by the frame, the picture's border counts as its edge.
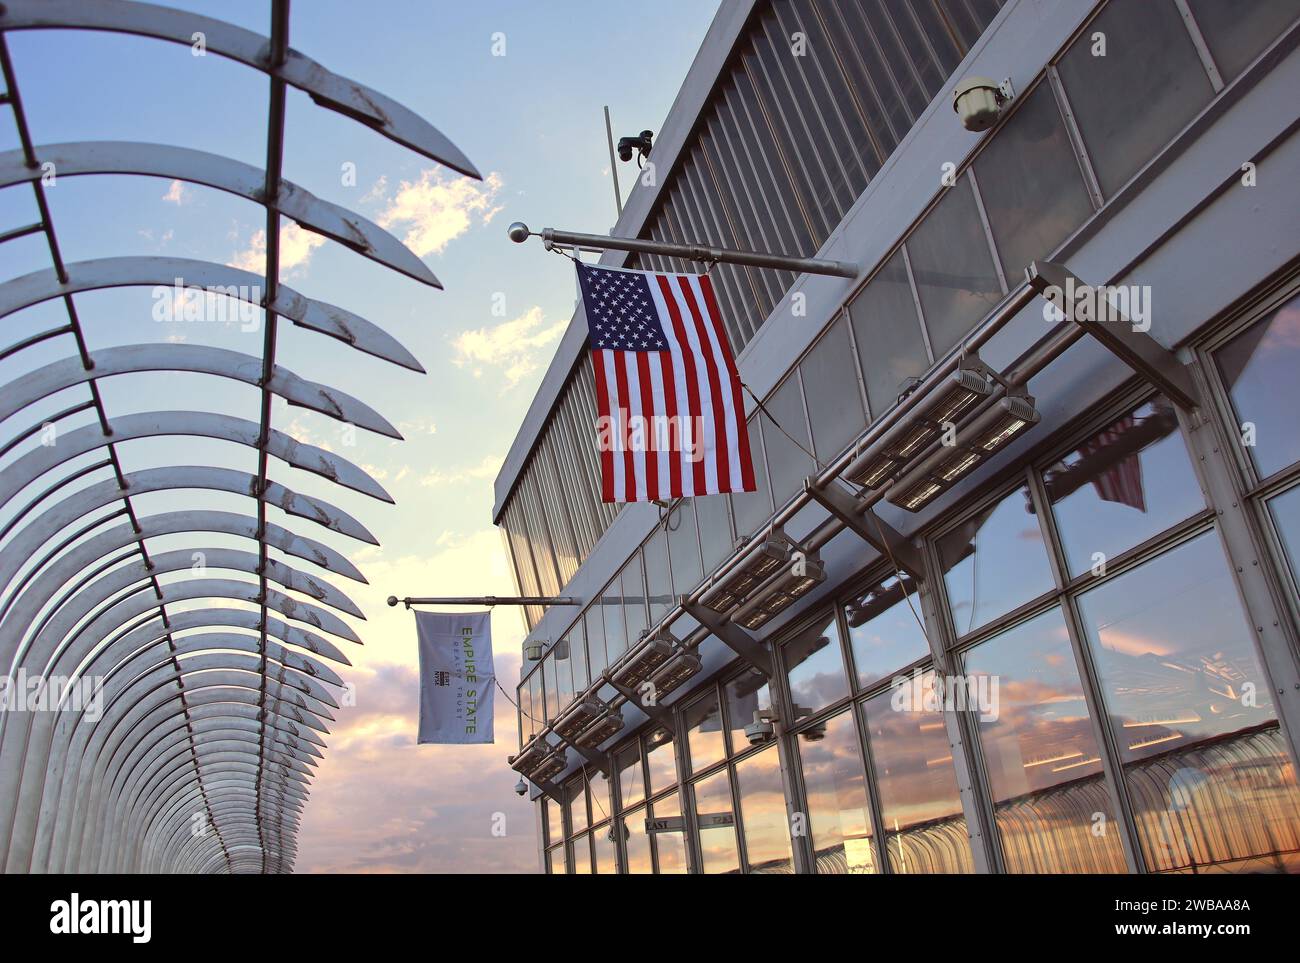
(497, 78)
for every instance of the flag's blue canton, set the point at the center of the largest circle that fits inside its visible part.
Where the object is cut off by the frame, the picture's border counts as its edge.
(621, 314)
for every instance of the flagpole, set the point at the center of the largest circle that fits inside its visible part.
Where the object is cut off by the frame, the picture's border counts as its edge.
(488, 600)
(519, 232)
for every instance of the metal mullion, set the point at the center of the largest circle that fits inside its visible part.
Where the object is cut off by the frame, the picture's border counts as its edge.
(887, 68)
(916, 303)
(1075, 137)
(1202, 48)
(848, 88)
(1094, 695)
(988, 228)
(878, 827)
(963, 734)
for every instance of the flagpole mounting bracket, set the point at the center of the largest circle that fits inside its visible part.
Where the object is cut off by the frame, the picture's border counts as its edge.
(519, 232)
(487, 600)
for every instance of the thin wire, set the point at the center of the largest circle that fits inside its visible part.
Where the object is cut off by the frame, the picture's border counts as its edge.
(898, 572)
(781, 428)
(594, 798)
(514, 703)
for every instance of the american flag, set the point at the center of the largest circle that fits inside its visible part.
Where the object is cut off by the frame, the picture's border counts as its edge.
(1121, 482)
(671, 418)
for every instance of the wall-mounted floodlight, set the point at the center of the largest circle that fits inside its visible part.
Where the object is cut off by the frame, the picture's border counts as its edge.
(603, 728)
(580, 716)
(551, 766)
(529, 756)
(978, 101)
(675, 672)
(985, 435)
(969, 383)
(533, 651)
(793, 583)
(760, 562)
(644, 663)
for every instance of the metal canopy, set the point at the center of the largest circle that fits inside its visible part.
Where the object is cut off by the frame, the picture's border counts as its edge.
(206, 718)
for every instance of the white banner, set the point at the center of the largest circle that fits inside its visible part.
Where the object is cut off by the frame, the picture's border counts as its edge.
(456, 676)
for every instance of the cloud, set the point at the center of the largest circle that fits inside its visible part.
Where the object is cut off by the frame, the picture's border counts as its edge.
(512, 346)
(437, 209)
(177, 193)
(485, 470)
(381, 803)
(296, 247)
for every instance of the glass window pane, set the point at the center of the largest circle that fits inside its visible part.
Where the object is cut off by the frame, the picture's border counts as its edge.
(839, 818)
(575, 799)
(539, 704)
(1043, 764)
(631, 781)
(1285, 509)
(660, 759)
(954, 271)
(1031, 185)
(752, 509)
(554, 821)
(683, 547)
(669, 847)
(1131, 102)
(611, 607)
(578, 659)
(1130, 481)
(815, 667)
(601, 788)
(888, 334)
(763, 814)
(582, 856)
(994, 562)
(746, 694)
(884, 632)
(1193, 714)
(594, 621)
(658, 577)
(925, 829)
(1258, 368)
(830, 383)
(716, 540)
(716, 822)
(606, 853)
(637, 843)
(556, 862)
(1237, 31)
(787, 460)
(634, 599)
(704, 732)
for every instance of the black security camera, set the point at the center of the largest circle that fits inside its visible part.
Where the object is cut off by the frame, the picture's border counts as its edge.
(640, 144)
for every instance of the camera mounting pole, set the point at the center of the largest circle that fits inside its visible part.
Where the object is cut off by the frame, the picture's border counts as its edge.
(519, 232)
(488, 600)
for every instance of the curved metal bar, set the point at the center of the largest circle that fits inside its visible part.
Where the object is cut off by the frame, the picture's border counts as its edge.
(167, 272)
(318, 461)
(354, 100)
(234, 177)
(193, 359)
(107, 492)
(146, 710)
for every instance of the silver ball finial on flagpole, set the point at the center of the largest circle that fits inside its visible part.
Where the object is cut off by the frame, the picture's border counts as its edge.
(518, 232)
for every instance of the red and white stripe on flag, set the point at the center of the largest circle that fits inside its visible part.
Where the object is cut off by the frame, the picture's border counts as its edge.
(671, 420)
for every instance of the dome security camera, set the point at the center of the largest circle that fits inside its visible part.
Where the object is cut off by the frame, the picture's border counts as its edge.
(978, 101)
(521, 787)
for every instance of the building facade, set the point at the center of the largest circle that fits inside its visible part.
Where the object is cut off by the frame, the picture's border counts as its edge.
(1018, 588)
